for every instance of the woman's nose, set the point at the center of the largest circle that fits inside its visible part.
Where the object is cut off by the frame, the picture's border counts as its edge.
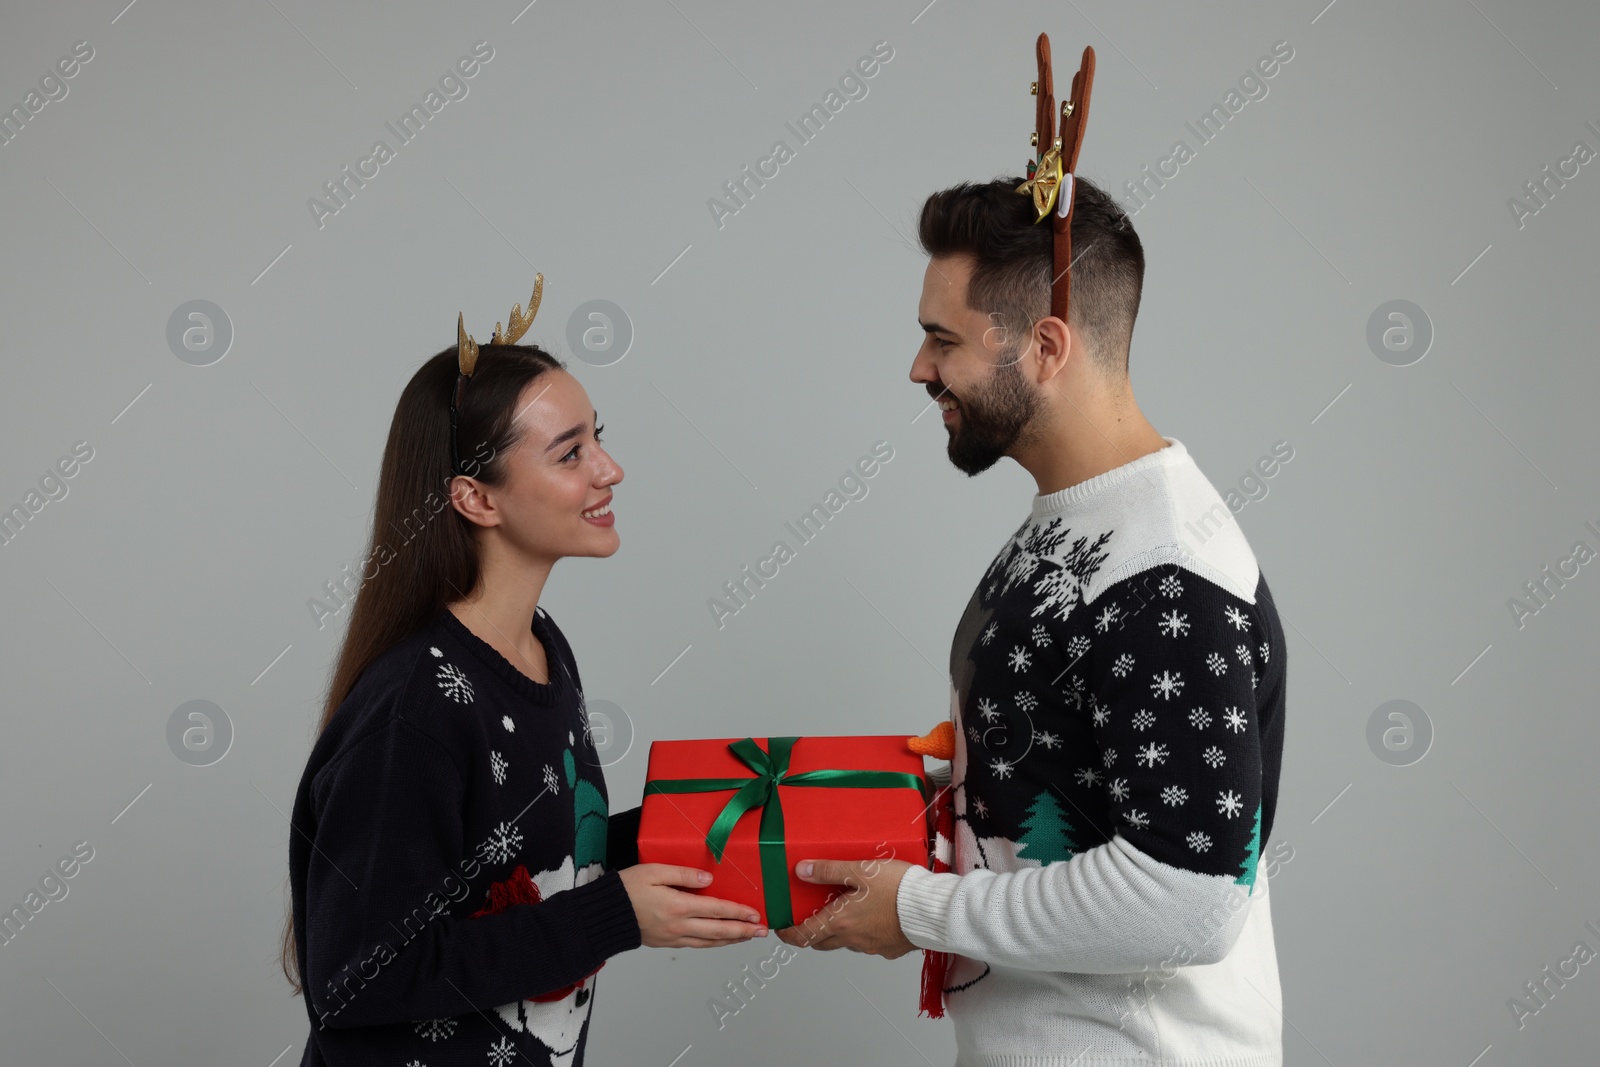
(611, 472)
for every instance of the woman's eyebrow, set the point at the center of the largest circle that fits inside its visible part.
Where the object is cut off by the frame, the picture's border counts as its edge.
(568, 434)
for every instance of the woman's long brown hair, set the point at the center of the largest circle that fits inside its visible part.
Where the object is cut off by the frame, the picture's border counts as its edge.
(422, 553)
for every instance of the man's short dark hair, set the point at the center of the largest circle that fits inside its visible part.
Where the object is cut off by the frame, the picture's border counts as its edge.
(1013, 268)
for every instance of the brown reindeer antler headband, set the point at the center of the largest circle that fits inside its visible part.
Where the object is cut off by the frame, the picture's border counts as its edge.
(1050, 176)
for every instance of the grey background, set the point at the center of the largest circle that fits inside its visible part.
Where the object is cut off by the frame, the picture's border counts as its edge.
(770, 356)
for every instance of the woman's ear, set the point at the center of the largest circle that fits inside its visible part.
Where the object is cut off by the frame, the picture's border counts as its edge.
(469, 497)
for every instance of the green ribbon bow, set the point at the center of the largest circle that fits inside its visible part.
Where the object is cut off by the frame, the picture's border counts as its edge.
(772, 770)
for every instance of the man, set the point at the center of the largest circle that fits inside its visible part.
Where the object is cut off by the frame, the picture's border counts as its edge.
(1117, 688)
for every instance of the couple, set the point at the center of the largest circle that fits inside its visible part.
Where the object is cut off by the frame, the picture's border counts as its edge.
(1114, 734)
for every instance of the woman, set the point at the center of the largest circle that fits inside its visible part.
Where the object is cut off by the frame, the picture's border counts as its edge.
(454, 889)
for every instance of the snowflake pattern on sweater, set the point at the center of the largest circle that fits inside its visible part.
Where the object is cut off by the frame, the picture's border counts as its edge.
(1169, 756)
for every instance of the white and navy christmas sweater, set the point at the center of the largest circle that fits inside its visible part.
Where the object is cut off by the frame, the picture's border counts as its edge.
(1118, 702)
(448, 861)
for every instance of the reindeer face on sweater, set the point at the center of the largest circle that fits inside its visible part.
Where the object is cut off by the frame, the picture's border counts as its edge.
(556, 1018)
(556, 1023)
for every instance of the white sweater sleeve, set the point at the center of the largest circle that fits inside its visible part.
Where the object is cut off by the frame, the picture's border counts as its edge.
(1108, 910)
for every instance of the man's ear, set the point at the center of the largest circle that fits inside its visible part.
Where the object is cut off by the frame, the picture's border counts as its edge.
(1052, 340)
(470, 499)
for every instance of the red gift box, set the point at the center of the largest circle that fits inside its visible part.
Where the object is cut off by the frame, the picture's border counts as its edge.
(777, 801)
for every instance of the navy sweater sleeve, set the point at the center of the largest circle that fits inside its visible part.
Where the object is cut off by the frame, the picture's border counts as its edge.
(622, 839)
(389, 936)
(1177, 721)
(1171, 694)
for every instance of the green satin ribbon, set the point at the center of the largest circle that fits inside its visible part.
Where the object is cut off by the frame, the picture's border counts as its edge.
(772, 770)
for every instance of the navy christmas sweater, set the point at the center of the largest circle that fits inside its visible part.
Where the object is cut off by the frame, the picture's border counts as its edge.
(448, 861)
(1118, 692)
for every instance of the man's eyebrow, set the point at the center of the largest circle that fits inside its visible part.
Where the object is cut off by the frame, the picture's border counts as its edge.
(567, 435)
(934, 327)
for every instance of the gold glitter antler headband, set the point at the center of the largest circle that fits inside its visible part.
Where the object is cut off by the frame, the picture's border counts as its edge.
(467, 348)
(1050, 175)
(467, 357)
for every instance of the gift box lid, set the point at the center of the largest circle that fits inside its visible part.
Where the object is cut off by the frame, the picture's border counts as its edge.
(827, 814)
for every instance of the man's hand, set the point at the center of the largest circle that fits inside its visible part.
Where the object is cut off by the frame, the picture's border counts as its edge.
(864, 918)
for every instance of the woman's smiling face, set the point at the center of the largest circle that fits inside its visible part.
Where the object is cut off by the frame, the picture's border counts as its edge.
(556, 496)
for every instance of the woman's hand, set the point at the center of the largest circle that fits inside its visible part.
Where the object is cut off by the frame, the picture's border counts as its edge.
(672, 917)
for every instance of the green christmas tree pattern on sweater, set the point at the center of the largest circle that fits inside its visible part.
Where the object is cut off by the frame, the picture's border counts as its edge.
(589, 816)
(1252, 855)
(1046, 833)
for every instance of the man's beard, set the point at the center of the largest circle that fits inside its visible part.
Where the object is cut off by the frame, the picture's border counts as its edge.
(993, 418)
